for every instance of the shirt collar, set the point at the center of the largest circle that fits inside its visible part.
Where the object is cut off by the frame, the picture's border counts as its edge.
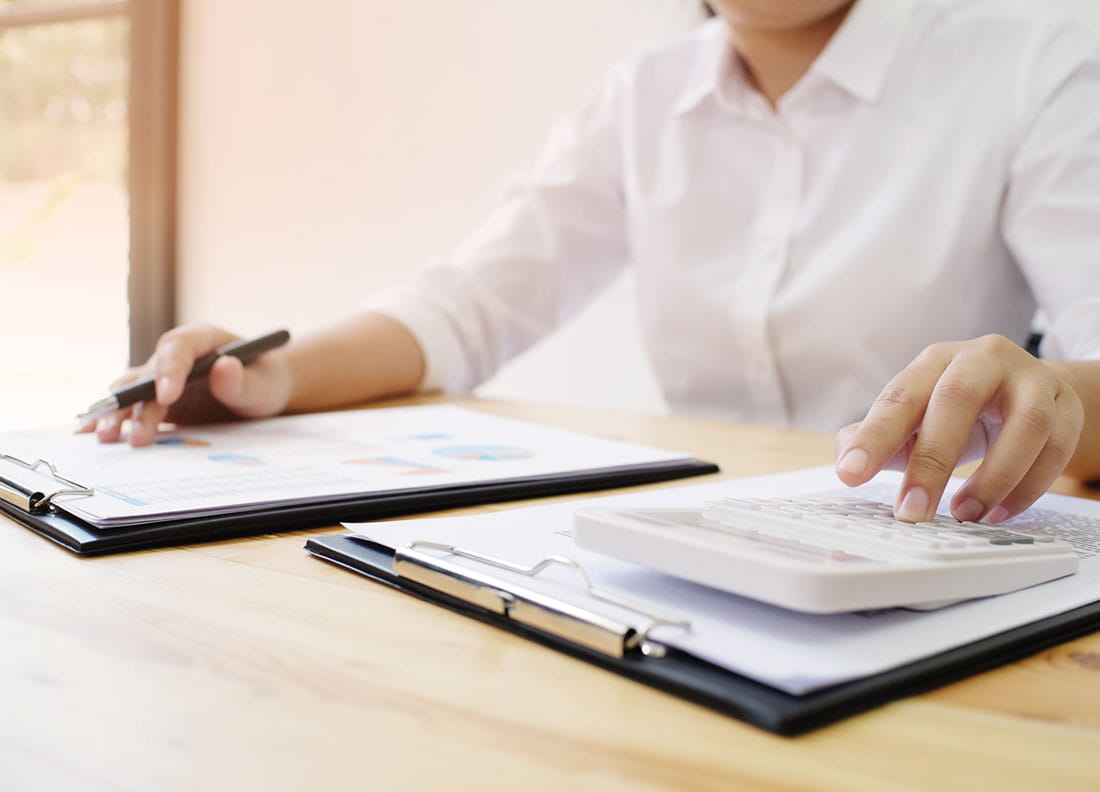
(712, 66)
(857, 58)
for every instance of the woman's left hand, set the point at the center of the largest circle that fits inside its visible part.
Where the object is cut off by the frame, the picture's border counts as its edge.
(960, 401)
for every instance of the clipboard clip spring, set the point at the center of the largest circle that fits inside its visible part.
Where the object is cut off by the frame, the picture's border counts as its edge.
(536, 609)
(30, 499)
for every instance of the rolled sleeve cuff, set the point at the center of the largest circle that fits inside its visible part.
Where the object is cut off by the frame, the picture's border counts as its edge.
(445, 366)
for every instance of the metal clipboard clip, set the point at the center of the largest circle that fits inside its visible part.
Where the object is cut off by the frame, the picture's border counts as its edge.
(532, 608)
(31, 499)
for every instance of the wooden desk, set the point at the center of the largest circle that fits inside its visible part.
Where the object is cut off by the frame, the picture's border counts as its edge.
(249, 665)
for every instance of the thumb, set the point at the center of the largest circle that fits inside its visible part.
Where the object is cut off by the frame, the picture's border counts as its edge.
(255, 391)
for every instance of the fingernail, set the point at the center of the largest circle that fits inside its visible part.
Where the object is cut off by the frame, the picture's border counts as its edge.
(854, 462)
(997, 514)
(914, 506)
(969, 510)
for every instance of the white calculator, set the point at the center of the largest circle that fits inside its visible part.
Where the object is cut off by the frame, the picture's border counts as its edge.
(826, 554)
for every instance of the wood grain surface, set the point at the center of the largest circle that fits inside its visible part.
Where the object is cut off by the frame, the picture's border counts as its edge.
(247, 664)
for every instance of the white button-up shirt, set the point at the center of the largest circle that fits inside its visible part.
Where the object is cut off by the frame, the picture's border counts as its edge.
(934, 176)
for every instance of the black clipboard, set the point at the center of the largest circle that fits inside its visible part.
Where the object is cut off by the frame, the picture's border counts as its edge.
(704, 683)
(36, 511)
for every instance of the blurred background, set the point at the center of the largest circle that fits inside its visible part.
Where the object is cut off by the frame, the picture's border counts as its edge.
(265, 163)
(287, 160)
(64, 227)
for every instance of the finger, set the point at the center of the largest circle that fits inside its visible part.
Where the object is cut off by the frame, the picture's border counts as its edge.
(966, 386)
(843, 439)
(1030, 416)
(981, 435)
(176, 353)
(109, 427)
(131, 376)
(975, 448)
(854, 464)
(892, 419)
(1048, 465)
(849, 459)
(145, 421)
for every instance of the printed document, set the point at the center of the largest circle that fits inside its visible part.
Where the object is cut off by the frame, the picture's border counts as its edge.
(215, 469)
(795, 652)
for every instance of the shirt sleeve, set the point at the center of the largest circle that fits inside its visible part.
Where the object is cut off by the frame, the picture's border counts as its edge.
(555, 239)
(1051, 218)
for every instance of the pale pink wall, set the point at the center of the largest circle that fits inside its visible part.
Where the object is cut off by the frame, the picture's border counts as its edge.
(328, 147)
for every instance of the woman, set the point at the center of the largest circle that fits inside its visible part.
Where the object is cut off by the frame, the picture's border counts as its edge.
(815, 196)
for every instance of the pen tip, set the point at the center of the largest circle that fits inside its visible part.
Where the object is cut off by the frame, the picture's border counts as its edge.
(101, 407)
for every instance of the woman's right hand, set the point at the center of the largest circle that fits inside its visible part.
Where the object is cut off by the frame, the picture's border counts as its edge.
(229, 392)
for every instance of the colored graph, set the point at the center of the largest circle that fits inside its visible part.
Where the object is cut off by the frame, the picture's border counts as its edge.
(232, 459)
(492, 453)
(116, 494)
(182, 441)
(401, 466)
(236, 459)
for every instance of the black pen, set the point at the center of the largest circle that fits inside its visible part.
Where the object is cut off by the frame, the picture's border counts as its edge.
(146, 389)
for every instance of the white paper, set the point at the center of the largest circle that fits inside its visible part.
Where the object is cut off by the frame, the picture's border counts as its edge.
(791, 651)
(311, 458)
